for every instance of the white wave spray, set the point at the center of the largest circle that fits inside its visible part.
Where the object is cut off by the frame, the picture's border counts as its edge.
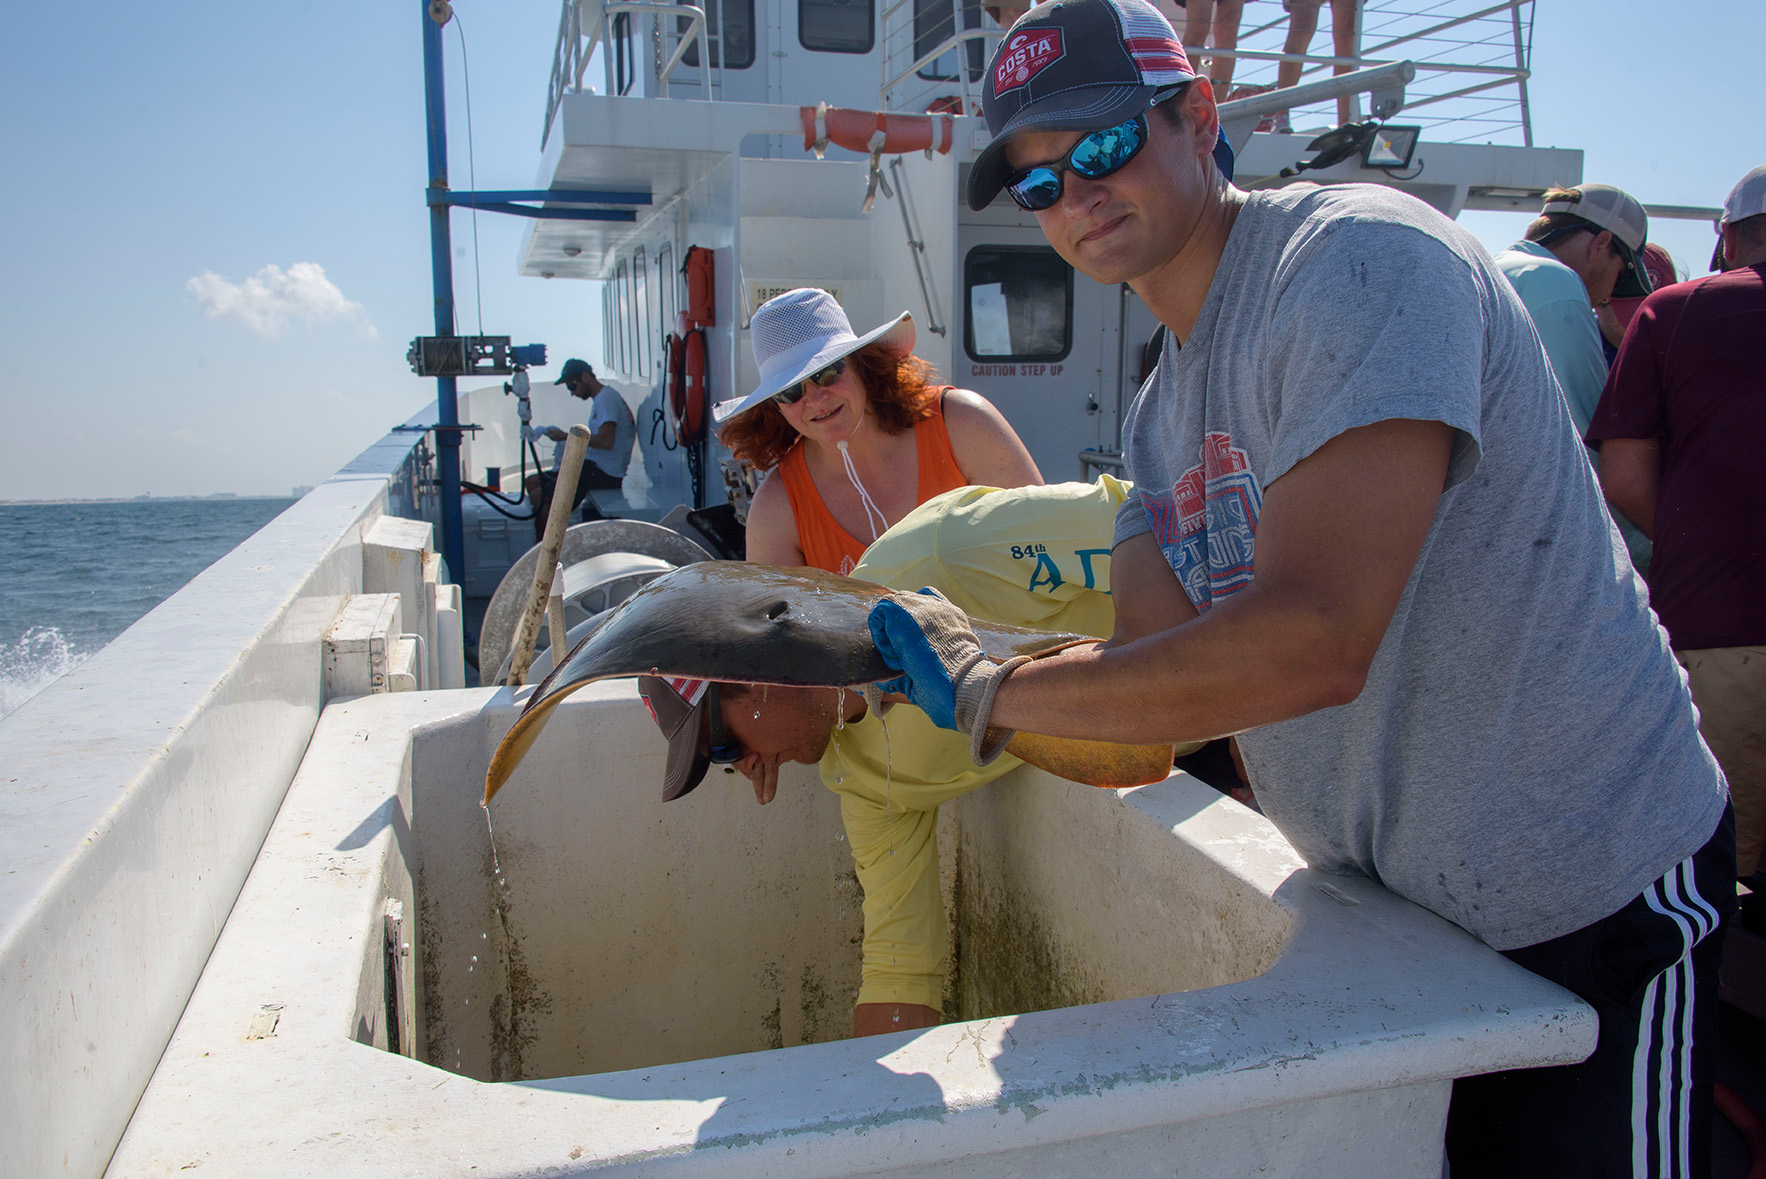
(40, 656)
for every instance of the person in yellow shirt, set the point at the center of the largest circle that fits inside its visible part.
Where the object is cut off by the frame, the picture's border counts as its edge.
(1029, 556)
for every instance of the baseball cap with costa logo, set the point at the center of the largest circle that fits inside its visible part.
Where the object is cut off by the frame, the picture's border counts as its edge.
(1076, 65)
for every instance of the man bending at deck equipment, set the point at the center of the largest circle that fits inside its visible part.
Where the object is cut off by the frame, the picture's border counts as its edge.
(1365, 539)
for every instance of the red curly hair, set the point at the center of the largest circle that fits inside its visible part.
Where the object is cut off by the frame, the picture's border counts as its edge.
(898, 387)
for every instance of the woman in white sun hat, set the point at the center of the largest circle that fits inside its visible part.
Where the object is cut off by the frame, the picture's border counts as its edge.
(855, 433)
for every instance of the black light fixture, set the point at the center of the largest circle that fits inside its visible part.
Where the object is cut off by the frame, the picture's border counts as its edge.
(1390, 147)
(1333, 147)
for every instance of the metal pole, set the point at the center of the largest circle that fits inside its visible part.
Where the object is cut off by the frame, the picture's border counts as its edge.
(1521, 58)
(441, 266)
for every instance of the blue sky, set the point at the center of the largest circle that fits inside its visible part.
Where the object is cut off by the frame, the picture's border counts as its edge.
(149, 146)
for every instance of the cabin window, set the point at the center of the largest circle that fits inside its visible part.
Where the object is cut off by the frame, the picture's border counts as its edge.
(641, 304)
(729, 34)
(1020, 303)
(836, 26)
(623, 74)
(665, 286)
(607, 330)
(621, 316)
(934, 23)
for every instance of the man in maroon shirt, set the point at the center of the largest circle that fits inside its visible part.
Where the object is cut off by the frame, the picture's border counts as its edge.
(1681, 428)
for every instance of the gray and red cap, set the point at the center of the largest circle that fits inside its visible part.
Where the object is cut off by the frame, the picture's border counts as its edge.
(1077, 65)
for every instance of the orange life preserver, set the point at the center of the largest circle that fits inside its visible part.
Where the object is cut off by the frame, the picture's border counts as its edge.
(874, 131)
(688, 394)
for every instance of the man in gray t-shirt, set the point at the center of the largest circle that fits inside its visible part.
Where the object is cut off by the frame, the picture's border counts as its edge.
(1365, 539)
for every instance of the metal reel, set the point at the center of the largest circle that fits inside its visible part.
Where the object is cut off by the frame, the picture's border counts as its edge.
(616, 556)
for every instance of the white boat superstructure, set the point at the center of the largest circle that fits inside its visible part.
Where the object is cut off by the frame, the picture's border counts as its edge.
(729, 162)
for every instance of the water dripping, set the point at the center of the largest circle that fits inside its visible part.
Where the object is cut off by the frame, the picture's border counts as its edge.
(496, 865)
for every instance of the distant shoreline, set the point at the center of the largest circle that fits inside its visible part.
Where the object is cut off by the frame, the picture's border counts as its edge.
(143, 499)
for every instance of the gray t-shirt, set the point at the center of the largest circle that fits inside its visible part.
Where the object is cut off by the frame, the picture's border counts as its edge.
(1524, 757)
(609, 406)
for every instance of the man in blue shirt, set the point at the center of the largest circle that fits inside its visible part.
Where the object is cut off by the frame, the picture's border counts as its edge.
(1584, 249)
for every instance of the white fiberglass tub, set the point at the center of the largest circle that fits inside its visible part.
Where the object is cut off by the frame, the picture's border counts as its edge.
(1150, 982)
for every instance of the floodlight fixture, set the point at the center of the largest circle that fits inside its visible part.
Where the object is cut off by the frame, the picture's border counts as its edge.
(1390, 147)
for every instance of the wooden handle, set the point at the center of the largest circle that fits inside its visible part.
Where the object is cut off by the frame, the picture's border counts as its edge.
(555, 616)
(527, 633)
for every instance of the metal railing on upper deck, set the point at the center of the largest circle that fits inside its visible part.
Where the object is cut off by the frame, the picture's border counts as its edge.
(585, 24)
(1472, 57)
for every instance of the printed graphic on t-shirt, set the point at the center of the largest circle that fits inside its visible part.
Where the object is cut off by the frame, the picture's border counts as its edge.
(1207, 523)
(1046, 575)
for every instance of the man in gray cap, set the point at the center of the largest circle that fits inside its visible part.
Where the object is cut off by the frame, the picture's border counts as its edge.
(1364, 538)
(1582, 250)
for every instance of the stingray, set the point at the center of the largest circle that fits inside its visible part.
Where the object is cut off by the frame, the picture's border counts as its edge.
(736, 622)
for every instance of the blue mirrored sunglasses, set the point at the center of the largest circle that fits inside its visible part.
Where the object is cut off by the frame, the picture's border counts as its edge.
(820, 380)
(1095, 156)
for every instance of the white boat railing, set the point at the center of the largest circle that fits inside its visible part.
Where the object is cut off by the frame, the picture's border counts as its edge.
(1473, 59)
(586, 24)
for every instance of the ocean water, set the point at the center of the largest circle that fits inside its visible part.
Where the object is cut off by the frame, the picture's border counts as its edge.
(73, 576)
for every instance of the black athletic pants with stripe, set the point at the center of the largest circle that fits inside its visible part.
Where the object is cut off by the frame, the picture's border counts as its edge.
(1641, 1105)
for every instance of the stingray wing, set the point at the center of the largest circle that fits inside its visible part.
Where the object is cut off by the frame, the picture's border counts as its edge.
(738, 622)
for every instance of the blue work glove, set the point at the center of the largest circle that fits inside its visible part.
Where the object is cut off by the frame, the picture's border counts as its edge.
(945, 673)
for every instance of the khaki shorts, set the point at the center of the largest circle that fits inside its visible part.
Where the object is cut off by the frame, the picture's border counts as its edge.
(1729, 688)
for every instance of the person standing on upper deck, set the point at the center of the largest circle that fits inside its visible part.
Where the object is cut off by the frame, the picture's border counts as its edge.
(1681, 430)
(854, 432)
(1364, 538)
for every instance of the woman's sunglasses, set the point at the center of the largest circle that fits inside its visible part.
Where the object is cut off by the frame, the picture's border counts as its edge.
(820, 380)
(724, 748)
(1095, 156)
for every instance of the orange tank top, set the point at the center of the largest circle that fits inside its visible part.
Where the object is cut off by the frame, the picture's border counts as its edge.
(828, 546)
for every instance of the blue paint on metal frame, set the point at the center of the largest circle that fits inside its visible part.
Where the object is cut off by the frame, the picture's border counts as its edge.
(447, 438)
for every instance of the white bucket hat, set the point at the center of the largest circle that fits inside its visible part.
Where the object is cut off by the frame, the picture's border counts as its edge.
(802, 332)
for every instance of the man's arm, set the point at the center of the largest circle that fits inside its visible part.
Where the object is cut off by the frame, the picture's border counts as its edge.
(1336, 542)
(602, 439)
(1155, 600)
(1631, 479)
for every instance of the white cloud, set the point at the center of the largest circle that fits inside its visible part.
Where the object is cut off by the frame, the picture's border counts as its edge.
(271, 299)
